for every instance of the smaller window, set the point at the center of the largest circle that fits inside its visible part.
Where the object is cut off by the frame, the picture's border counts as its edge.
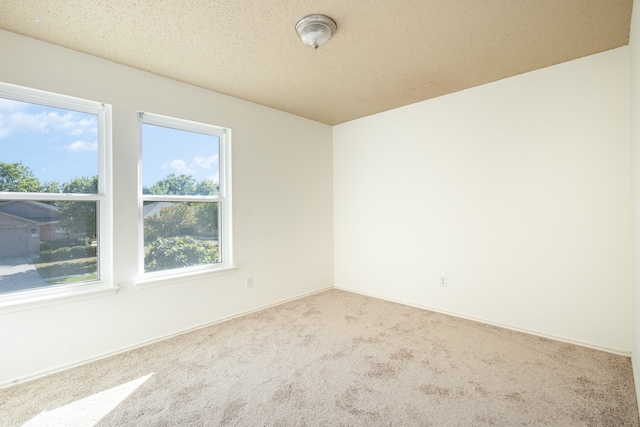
(185, 194)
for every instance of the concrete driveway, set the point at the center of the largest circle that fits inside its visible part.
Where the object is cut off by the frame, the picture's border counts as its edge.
(18, 274)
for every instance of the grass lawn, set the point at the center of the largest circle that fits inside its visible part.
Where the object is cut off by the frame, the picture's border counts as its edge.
(68, 271)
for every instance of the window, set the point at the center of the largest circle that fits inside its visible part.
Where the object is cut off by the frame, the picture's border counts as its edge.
(185, 194)
(55, 202)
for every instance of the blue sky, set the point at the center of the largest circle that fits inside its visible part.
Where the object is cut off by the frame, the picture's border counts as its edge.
(166, 151)
(58, 145)
(55, 144)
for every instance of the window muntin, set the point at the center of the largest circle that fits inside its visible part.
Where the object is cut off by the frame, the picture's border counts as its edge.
(54, 191)
(185, 196)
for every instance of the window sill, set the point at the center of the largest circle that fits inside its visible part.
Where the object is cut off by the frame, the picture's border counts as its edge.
(170, 279)
(43, 297)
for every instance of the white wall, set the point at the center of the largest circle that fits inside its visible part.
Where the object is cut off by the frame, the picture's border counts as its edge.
(634, 54)
(282, 213)
(518, 191)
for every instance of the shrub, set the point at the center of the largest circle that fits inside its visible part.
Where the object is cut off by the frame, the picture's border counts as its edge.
(178, 252)
(61, 243)
(83, 241)
(45, 245)
(92, 251)
(46, 255)
(62, 253)
(78, 251)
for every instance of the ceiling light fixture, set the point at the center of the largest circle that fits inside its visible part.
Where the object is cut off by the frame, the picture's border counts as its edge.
(315, 30)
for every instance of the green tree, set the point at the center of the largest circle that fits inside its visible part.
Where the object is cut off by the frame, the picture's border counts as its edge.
(82, 185)
(171, 221)
(79, 217)
(207, 187)
(185, 218)
(16, 177)
(51, 187)
(206, 215)
(172, 184)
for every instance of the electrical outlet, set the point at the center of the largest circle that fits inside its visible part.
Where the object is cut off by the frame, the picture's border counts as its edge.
(248, 282)
(443, 281)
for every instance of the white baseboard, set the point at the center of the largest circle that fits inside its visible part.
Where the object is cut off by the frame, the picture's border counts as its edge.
(155, 340)
(489, 322)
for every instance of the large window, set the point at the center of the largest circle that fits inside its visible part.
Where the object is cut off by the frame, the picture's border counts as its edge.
(185, 195)
(54, 192)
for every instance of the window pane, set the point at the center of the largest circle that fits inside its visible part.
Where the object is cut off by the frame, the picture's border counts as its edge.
(44, 244)
(178, 162)
(180, 235)
(47, 149)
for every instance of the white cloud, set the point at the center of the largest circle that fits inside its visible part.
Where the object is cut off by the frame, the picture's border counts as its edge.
(11, 106)
(206, 162)
(82, 146)
(18, 121)
(74, 125)
(179, 166)
(15, 117)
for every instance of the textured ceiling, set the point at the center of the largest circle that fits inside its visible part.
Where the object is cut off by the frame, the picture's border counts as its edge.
(385, 54)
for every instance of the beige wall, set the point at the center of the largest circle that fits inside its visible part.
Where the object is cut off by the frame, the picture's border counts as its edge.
(282, 213)
(634, 53)
(518, 191)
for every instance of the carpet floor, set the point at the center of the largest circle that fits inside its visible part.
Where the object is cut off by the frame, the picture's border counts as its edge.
(337, 359)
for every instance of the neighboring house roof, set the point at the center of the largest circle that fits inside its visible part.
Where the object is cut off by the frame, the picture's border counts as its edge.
(40, 213)
(32, 211)
(19, 218)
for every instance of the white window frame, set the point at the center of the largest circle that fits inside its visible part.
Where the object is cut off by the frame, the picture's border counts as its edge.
(104, 285)
(225, 232)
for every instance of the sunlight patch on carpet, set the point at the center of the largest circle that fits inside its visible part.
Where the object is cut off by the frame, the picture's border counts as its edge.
(87, 412)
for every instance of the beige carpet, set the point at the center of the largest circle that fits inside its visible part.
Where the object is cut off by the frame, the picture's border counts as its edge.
(337, 359)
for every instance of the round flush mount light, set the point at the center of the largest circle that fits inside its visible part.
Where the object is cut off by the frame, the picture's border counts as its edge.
(315, 30)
